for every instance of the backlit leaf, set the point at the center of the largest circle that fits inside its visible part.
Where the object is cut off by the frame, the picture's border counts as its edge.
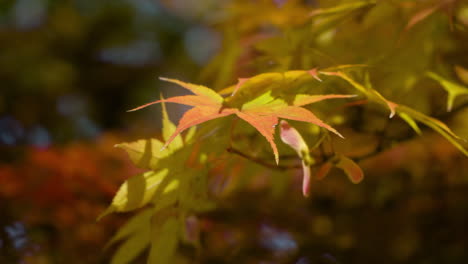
(265, 124)
(139, 190)
(145, 153)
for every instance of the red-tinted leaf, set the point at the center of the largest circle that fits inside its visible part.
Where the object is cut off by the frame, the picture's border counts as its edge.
(265, 124)
(302, 114)
(420, 16)
(323, 170)
(352, 170)
(314, 73)
(199, 90)
(198, 115)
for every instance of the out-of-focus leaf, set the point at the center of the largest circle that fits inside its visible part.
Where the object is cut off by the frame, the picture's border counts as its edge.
(352, 170)
(453, 89)
(462, 73)
(420, 16)
(139, 190)
(164, 239)
(141, 221)
(346, 7)
(410, 121)
(131, 248)
(435, 124)
(323, 170)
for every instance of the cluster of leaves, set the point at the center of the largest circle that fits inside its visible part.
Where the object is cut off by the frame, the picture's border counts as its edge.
(297, 47)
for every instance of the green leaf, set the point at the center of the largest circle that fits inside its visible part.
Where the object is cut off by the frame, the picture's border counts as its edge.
(139, 222)
(164, 239)
(131, 248)
(145, 153)
(410, 121)
(140, 189)
(346, 7)
(435, 124)
(371, 94)
(453, 89)
(168, 128)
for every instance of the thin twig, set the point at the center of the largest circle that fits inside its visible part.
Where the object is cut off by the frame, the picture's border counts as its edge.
(263, 162)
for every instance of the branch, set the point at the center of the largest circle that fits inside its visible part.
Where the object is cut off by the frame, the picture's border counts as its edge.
(263, 162)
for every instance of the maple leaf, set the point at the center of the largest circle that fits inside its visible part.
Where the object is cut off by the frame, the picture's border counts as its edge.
(262, 113)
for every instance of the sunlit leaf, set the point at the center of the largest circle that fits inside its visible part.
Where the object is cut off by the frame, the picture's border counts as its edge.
(265, 124)
(145, 153)
(139, 190)
(168, 127)
(261, 111)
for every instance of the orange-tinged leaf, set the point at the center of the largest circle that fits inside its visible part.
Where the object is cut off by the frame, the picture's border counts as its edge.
(198, 115)
(302, 114)
(323, 170)
(197, 89)
(314, 73)
(265, 124)
(420, 16)
(352, 170)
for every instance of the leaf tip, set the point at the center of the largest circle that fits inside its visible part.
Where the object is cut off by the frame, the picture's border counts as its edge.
(106, 212)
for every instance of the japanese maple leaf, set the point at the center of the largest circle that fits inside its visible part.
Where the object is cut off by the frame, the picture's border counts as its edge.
(262, 113)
